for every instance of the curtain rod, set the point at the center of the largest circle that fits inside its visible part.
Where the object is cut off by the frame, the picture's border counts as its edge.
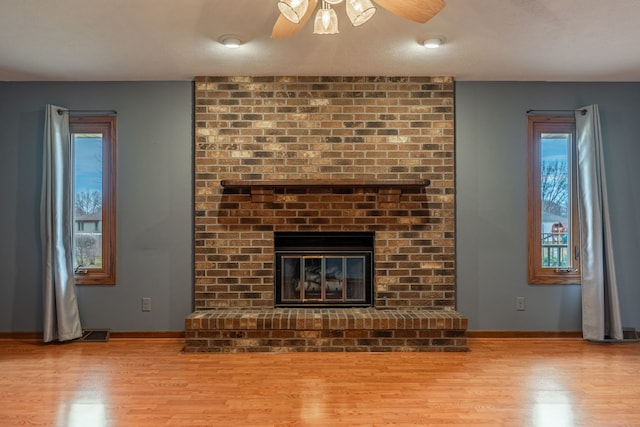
(582, 111)
(104, 112)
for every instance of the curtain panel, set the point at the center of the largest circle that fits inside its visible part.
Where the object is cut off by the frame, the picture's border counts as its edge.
(600, 305)
(61, 316)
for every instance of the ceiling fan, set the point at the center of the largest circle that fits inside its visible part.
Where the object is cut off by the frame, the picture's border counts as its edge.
(294, 14)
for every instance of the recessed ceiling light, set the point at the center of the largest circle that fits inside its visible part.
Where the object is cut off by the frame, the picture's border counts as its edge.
(231, 42)
(433, 43)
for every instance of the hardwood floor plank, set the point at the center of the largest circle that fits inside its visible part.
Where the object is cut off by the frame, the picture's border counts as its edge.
(150, 382)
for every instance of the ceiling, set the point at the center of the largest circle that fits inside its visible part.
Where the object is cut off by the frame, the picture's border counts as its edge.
(525, 40)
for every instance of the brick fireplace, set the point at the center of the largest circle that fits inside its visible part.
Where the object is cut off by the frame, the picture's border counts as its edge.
(316, 156)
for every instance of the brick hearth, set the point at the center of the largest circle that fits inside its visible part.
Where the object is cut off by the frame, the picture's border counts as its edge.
(360, 329)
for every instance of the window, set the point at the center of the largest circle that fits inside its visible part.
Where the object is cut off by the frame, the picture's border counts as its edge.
(93, 141)
(554, 239)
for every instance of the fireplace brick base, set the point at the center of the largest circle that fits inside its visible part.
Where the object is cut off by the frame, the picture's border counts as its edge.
(317, 329)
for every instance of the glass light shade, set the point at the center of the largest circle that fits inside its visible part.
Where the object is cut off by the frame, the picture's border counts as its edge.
(360, 11)
(326, 22)
(293, 10)
(333, 1)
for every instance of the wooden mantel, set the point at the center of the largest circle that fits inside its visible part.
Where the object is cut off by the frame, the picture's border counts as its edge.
(262, 190)
(326, 183)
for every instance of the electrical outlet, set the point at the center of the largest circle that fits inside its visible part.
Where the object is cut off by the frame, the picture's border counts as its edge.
(146, 304)
(520, 303)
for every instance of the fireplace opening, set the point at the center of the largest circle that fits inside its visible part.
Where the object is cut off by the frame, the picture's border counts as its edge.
(323, 269)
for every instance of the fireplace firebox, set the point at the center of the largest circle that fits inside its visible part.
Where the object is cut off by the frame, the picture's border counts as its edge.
(323, 269)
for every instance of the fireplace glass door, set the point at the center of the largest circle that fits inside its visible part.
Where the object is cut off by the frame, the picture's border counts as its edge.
(323, 275)
(324, 279)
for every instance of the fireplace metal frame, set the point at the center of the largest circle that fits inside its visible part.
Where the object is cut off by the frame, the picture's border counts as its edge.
(327, 245)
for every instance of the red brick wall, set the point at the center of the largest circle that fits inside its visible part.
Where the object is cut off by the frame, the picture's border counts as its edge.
(328, 128)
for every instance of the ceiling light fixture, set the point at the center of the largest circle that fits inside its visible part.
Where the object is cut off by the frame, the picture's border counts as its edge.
(230, 42)
(293, 10)
(433, 43)
(326, 20)
(360, 11)
(294, 14)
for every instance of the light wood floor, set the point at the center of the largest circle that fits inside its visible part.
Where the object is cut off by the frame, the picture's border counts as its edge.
(137, 382)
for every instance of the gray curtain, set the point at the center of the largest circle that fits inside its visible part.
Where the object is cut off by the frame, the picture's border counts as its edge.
(61, 317)
(600, 306)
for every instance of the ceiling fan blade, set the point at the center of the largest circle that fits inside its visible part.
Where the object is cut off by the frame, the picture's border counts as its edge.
(415, 10)
(285, 28)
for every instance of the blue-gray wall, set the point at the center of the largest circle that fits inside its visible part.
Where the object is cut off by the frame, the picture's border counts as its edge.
(154, 222)
(491, 173)
(155, 255)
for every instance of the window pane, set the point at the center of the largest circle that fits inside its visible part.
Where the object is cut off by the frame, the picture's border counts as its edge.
(312, 283)
(555, 188)
(290, 281)
(334, 277)
(87, 183)
(355, 278)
